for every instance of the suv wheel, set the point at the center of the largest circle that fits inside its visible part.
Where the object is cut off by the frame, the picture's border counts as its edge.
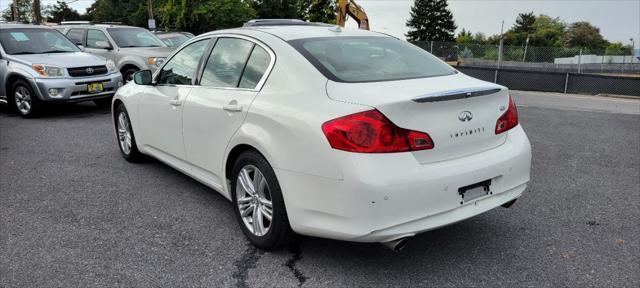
(127, 74)
(24, 100)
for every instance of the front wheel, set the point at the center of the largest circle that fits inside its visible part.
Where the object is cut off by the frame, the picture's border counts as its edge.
(126, 139)
(259, 206)
(24, 100)
(127, 74)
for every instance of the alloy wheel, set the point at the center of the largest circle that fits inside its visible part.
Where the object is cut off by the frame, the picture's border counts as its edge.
(22, 98)
(254, 200)
(124, 133)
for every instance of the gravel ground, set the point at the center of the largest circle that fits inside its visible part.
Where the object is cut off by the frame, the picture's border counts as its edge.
(73, 213)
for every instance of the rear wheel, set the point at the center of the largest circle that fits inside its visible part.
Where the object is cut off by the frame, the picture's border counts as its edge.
(126, 139)
(24, 100)
(259, 206)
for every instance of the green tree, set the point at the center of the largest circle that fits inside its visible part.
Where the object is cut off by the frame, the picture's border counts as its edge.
(198, 16)
(321, 11)
(547, 31)
(479, 38)
(279, 9)
(62, 12)
(124, 11)
(584, 35)
(617, 48)
(464, 37)
(25, 11)
(524, 23)
(431, 20)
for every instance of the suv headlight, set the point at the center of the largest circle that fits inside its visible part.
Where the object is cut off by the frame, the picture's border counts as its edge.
(48, 70)
(156, 61)
(111, 66)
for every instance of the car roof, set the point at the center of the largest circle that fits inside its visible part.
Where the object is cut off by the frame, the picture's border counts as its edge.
(14, 26)
(97, 26)
(293, 32)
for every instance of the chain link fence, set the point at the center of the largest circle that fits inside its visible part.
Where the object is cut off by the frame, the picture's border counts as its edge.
(550, 69)
(548, 59)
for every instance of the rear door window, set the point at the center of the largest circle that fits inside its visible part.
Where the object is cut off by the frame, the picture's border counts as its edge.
(226, 63)
(256, 67)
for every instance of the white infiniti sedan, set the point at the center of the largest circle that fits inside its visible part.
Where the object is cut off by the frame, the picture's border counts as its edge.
(328, 132)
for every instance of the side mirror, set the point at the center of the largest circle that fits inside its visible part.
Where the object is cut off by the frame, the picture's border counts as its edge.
(143, 77)
(103, 45)
(80, 47)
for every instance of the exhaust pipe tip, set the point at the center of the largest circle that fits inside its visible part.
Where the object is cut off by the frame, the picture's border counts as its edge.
(396, 245)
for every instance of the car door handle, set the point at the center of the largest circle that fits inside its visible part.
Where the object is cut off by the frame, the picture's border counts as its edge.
(175, 102)
(233, 107)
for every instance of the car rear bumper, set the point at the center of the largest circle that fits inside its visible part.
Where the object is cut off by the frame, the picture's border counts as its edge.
(75, 89)
(383, 197)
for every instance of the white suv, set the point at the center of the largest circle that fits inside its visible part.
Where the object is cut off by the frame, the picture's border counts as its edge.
(130, 48)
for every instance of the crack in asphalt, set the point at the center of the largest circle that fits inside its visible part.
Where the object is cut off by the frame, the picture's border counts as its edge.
(247, 261)
(291, 263)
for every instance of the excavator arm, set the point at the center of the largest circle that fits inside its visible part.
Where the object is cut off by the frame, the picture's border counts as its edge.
(350, 8)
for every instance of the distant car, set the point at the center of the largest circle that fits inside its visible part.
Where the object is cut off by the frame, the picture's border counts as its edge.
(131, 48)
(329, 132)
(38, 65)
(174, 39)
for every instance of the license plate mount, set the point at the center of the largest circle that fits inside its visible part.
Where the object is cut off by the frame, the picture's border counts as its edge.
(474, 191)
(95, 87)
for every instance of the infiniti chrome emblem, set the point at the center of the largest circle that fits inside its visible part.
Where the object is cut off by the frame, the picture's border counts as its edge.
(89, 70)
(465, 116)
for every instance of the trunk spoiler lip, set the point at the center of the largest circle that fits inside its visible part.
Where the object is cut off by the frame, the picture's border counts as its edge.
(456, 94)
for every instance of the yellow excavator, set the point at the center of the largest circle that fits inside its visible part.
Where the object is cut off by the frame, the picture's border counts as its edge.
(350, 8)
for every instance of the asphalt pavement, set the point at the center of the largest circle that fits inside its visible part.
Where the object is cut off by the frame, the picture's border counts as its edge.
(73, 213)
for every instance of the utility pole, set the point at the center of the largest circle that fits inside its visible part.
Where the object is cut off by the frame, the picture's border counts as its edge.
(501, 44)
(36, 12)
(152, 22)
(14, 11)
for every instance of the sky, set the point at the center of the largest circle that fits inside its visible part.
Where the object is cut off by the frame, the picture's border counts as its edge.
(618, 20)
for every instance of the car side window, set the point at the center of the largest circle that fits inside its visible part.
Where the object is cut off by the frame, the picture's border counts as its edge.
(256, 67)
(226, 62)
(76, 36)
(181, 69)
(95, 36)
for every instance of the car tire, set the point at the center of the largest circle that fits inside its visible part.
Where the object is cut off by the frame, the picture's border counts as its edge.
(124, 136)
(127, 74)
(24, 100)
(103, 103)
(268, 197)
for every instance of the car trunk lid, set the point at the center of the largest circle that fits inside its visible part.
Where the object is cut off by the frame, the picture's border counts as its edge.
(457, 111)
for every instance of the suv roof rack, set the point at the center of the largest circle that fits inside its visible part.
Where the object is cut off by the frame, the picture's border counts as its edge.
(281, 22)
(75, 22)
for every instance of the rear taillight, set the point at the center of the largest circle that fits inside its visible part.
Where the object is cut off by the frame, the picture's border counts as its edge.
(509, 119)
(371, 132)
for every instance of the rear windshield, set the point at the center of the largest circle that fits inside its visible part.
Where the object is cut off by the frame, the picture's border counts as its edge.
(369, 59)
(35, 41)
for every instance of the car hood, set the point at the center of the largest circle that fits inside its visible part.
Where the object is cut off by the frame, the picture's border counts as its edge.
(66, 60)
(148, 51)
